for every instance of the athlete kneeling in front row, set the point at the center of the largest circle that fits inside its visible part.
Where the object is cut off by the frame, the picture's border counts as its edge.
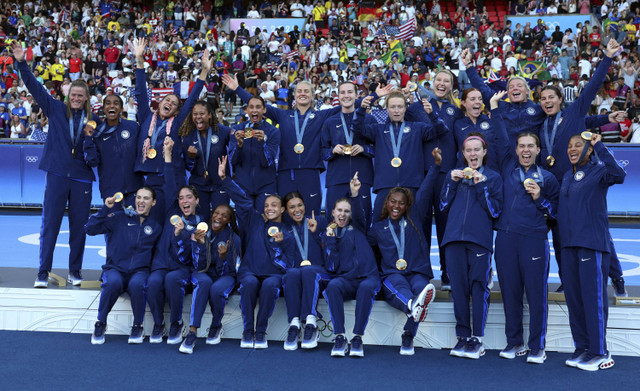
(353, 273)
(132, 237)
(406, 268)
(266, 258)
(215, 255)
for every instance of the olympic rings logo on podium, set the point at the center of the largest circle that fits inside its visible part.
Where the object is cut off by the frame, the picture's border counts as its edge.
(31, 159)
(623, 163)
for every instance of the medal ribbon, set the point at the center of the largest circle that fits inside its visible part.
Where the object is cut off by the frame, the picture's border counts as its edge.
(102, 127)
(396, 145)
(545, 132)
(300, 132)
(400, 243)
(304, 249)
(348, 134)
(205, 152)
(75, 137)
(540, 178)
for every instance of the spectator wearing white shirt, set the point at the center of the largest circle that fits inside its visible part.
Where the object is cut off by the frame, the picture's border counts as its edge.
(584, 65)
(297, 10)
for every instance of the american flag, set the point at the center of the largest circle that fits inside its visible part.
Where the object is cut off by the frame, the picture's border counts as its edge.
(292, 54)
(151, 92)
(402, 33)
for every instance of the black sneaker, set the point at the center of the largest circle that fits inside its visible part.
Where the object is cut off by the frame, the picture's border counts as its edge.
(247, 339)
(445, 284)
(291, 342)
(74, 278)
(407, 344)
(458, 350)
(157, 333)
(42, 281)
(310, 337)
(474, 349)
(357, 348)
(260, 340)
(215, 335)
(137, 334)
(618, 287)
(189, 343)
(340, 346)
(97, 338)
(175, 333)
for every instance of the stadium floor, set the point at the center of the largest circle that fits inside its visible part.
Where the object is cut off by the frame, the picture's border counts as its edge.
(19, 235)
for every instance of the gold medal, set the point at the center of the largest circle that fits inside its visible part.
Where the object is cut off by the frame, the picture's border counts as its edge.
(298, 148)
(248, 133)
(412, 86)
(305, 263)
(396, 162)
(333, 225)
(73, 152)
(527, 182)
(347, 149)
(467, 173)
(206, 174)
(92, 124)
(551, 161)
(272, 231)
(174, 219)
(586, 135)
(152, 153)
(118, 197)
(202, 227)
(401, 264)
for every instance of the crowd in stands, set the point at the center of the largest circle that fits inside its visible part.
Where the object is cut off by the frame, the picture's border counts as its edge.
(340, 41)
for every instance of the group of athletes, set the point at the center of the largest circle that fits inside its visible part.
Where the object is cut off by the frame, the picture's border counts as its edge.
(517, 167)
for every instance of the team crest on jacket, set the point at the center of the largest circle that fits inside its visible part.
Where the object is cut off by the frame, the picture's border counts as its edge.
(312, 116)
(214, 139)
(148, 230)
(450, 110)
(531, 111)
(578, 175)
(125, 134)
(484, 125)
(407, 129)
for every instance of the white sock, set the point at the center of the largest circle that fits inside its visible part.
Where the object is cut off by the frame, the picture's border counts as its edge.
(295, 322)
(311, 319)
(479, 338)
(409, 305)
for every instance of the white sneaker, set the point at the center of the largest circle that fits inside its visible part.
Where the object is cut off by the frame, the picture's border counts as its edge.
(592, 362)
(536, 357)
(512, 351)
(74, 279)
(419, 306)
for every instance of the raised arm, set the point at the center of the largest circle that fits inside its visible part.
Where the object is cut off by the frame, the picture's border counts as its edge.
(141, 82)
(44, 100)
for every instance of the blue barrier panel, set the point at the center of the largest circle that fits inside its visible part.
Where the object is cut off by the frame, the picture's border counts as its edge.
(10, 176)
(563, 21)
(33, 179)
(23, 183)
(624, 198)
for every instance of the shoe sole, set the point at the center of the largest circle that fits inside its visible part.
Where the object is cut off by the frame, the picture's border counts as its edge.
(474, 356)
(174, 341)
(407, 352)
(423, 300)
(155, 340)
(454, 353)
(135, 341)
(606, 364)
(290, 347)
(185, 350)
(537, 360)
(356, 354)
(213, 341)
(260, 346)
(40, 285)
(246, 345)
(97, 341)
(338, 353)
(518, 353)
(309, 345)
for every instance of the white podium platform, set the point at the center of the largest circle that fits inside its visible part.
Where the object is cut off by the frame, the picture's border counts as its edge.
(74, 310)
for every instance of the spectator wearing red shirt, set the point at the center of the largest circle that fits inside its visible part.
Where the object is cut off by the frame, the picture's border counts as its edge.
(76, 67)
(595, 37)
(111, 55)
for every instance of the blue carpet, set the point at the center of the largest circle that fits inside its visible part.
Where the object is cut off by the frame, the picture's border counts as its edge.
(56, 361)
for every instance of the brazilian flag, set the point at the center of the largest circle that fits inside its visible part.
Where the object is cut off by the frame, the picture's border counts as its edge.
(532, 67)
(396, 49)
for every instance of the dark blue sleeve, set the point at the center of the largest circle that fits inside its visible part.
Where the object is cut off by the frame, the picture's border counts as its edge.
(489, 193)
(448, 192)
(141, 95)
(615, 174)
(596, 121)
(582, 104)
(364, 124)
(547, 203)
(477, 82)
(424, 195)
(100, 222)
(90, 150)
